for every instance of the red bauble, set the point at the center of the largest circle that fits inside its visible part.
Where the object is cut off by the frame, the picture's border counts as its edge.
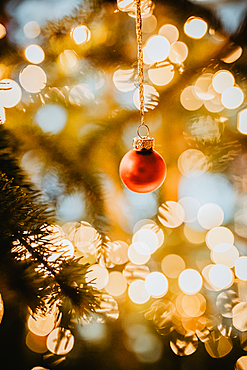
(142, 171)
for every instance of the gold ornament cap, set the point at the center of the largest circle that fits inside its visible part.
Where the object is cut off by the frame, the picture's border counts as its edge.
(144, 142)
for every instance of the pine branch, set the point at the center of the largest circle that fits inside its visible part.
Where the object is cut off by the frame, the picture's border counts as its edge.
(75, 174)
(25, 247)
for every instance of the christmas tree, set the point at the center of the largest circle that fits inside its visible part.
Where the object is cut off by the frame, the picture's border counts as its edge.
(142, 269)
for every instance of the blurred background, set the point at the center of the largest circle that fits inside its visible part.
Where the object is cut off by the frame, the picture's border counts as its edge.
(173, 259)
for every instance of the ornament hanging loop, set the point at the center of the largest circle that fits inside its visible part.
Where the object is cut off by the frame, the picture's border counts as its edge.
(143, 142)
(138, 131)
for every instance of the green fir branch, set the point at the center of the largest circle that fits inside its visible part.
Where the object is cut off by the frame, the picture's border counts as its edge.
(25, 241)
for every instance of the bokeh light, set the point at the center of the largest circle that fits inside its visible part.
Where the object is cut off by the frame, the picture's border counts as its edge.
(146, 59)
(183, 345)
(222, 80)
(148, 237)
(216, 97)
(137, 292)
(178, 52)
(170, 32)
(219, 235)
(158, 232)
(85, 238)
(60, 341)
(195, 27)
(41, 325)
(93, 332)
(33, 78)
(122, 79)
(156, 284)
(118, 253)
(190, 305)
(34, 54)
(202, 87)
(206, 279)
(2, 31)
(239, 316)
(97, 276)
(188, 99)
(81, 34)
(225, 257)
(141, 248)
(193, 324)
(10, 93)
(68, 59)
(117, 284)
(171, 214)
(192, 163)
(190, 281)
(233, 55)
(210, 215)
(225, 302)
(222, 247)
(172, 265)
(242, 122)
(220, 276)
(51, 118)
(133, 272)
(138, 258)
(125, 5)
(144, 223)
(232, 97)
(241, 363)
(37, 344)
(149, 24)
(157, 48)
(219, 347)
(212, 107)
(108, 307)
(31, 29)
(161, 75)
(194, 305)
(241, 268)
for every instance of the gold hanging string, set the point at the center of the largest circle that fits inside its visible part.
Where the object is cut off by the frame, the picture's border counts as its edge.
(140, 65)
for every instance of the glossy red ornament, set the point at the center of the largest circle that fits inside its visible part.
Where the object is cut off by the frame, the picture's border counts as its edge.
(142, 171)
